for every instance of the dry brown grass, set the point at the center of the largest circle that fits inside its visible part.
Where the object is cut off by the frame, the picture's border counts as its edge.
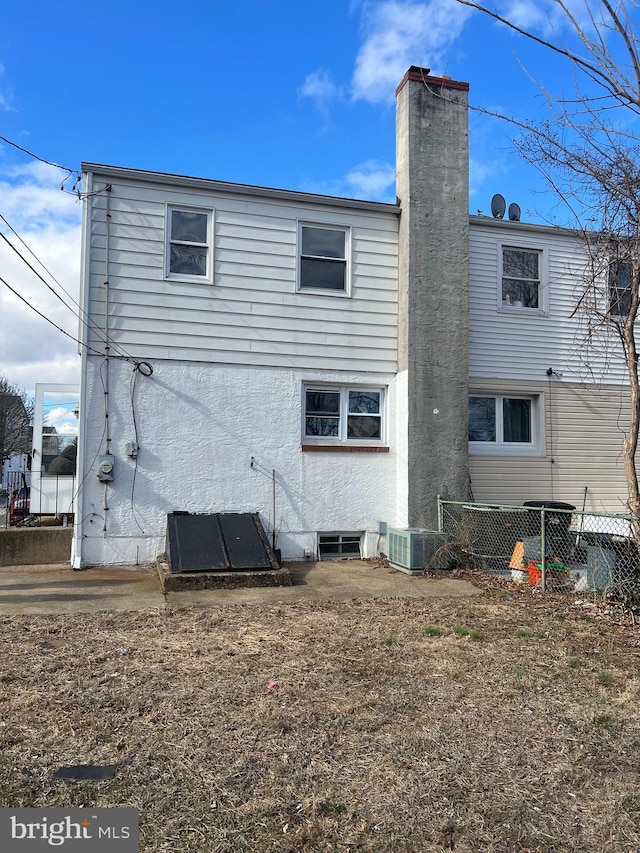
(500, 723)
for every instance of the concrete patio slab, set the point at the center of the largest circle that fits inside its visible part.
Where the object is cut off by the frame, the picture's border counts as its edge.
(57, 589)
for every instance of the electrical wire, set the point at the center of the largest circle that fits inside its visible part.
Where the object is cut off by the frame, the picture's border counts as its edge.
(134, 379)
(44, 317)
(88, 323)
(36, 258)
(36, 273)
(40, 159)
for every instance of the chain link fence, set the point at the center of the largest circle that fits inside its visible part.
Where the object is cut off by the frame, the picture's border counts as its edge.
(549, 545)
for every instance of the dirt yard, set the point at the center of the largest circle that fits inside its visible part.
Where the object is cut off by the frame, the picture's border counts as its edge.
(496, 723)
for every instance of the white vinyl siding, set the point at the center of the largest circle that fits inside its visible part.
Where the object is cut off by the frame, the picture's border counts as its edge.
(253, 315)
(512, 343)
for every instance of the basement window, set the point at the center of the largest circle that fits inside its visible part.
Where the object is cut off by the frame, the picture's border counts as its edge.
(339, 546)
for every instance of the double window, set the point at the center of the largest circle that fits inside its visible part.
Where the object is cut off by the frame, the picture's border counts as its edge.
(323, 263)
(521, 278)
(189, 244)
(504, 424)
(343, 414)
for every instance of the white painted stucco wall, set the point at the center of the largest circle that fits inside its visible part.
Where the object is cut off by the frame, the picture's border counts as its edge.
(198, 427)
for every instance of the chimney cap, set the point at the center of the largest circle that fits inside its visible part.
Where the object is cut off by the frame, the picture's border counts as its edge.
(422, 75)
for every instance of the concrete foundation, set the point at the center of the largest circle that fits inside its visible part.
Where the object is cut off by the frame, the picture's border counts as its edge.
(191, 581)
(32, 546)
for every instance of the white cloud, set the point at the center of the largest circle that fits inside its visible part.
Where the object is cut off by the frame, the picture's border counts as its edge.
(399, 34)
(547, 16)
(371, 181)
(6, 93)
(319, 86)
(64, 421)
(48, 220)
(485, 176)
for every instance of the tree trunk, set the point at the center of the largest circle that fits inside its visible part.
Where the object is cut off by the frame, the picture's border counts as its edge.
(630, 442)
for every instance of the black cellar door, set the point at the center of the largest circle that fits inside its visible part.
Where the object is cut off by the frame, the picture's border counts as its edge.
(221, 541)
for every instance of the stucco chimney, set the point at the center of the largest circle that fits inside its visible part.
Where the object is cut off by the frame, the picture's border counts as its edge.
(432, 157)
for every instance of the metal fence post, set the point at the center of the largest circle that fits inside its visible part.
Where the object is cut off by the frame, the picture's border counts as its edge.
(440, 515)
(543, 564)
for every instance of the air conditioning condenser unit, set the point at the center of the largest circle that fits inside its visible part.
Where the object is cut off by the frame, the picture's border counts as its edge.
(413, 550)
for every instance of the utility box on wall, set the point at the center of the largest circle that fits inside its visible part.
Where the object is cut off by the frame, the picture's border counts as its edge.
(106, 468)
(414, 550)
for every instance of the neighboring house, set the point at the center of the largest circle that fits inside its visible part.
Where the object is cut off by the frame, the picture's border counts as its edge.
(12, 470)
(312, 358)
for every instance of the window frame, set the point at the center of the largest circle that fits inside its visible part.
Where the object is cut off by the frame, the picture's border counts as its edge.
(500, 447)
(324, 291)
(340, 539)
(342, 439)
(543, 277)
(616, 295)
(186, 208)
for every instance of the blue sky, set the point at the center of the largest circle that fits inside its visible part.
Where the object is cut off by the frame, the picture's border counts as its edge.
(285, 93)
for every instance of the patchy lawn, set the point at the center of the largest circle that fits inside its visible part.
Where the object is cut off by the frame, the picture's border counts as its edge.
(498, 723)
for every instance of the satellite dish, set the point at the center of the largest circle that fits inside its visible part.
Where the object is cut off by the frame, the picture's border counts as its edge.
(514, 212)
(498, 206)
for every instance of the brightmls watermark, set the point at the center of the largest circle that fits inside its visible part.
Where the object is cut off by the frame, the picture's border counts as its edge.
(36, 830)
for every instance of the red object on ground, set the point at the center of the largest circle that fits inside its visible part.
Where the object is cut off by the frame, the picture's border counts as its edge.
(535, 573)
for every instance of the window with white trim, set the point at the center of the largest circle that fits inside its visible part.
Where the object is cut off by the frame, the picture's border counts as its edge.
(521, 278)
(349, 414)
(189, 244)
(323, 258)
(508, 423)
(619, 290)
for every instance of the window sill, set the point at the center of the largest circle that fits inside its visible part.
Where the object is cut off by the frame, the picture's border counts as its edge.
(174, 278)
(323, 291)
(501, 450)
(522, 310)
(344, 448)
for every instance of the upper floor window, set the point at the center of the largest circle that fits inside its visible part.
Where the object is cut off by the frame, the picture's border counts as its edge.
(323, 258)
(189, 244)
(521, 278)
(343, 414)
(619, 294)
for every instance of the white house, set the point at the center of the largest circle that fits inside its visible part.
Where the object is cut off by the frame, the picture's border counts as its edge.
(312, 358)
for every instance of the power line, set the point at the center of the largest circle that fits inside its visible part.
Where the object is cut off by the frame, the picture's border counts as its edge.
(74, 189)
(88, 323)
(36, 273)
(44, 317)
(41, 159)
